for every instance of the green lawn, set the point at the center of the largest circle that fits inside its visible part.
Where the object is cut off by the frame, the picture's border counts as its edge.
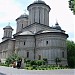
(43, 68)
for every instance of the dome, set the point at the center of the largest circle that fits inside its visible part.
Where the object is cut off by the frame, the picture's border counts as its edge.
(57, 26)
(8, 27)
(23, 16)
(39, 1)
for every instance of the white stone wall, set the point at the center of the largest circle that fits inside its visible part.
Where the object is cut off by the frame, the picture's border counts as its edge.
(3, 50)
(6, 49)
(22, 49)
(56, 45)
(11, 47)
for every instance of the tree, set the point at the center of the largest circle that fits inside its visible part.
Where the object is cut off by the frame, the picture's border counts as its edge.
(12, 58)
(71, 53)
(72, 5)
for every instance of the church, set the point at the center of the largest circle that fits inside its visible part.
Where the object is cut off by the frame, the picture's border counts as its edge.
(35, 39)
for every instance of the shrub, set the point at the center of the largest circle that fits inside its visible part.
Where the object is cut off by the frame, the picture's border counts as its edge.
(27, 61)
(43, 69)
(33, 63)
(44, 66)
(27, 68)
(60, 66)
(45, 60)
(3, 64)
(31, 68)
(34, 66)
(27, 65)
(48, 66)
(39, 68)
(39, 62)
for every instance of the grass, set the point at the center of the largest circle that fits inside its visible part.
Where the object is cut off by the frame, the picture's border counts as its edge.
(44, 68)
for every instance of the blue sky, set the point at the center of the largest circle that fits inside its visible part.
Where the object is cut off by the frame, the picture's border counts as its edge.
(12, 9)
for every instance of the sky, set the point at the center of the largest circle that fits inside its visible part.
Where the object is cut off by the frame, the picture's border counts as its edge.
(12, 9)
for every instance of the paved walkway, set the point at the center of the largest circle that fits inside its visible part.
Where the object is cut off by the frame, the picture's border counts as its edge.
(14, 71)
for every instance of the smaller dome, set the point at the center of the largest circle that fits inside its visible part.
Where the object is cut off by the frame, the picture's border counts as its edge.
(57, 26)
(7, 27)
(23, 16)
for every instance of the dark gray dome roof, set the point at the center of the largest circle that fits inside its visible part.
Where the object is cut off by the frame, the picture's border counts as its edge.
(57, 26)
(7, 27)
(23, 16)
(40, 1)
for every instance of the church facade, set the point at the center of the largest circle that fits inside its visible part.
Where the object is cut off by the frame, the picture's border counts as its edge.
(34, 38)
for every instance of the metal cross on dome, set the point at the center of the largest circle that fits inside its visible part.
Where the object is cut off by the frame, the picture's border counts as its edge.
(8, 23)
(38, 0)
(25, 11)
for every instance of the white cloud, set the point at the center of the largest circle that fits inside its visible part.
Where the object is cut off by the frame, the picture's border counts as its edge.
(8, 10)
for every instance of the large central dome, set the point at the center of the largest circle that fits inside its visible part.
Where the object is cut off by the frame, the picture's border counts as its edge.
(39, 1)
(39, 12)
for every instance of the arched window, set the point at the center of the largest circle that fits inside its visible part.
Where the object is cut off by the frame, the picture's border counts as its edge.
(39, 57)
(24, 42)
(22, 25)
(27, 54)
(62, 54)
(39, 15)
(46, 42)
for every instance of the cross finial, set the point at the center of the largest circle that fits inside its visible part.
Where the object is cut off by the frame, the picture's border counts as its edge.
(37, 0)
(57, 22)
(8, 23)
(25, 11)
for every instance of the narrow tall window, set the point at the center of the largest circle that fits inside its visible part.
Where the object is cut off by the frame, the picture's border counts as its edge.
(62, 54)
(22, 25)
(6, 33)
(27, 54)
(46, 42)
(39, 15)
(34, 15)
(39, 57)
(24, 43)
